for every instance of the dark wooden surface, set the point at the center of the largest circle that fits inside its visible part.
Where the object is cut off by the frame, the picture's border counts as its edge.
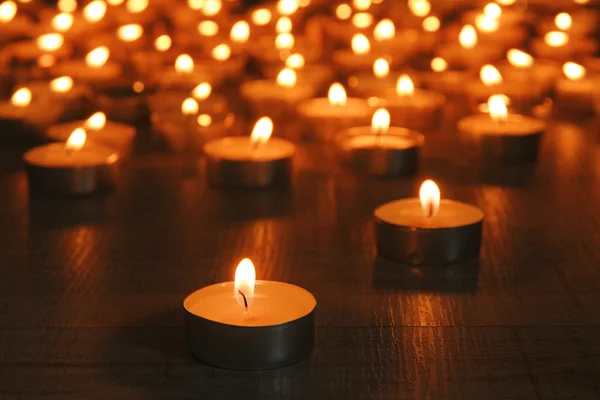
(91, 290)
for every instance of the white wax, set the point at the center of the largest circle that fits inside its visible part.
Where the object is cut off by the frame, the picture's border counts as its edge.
(273, 303)
(408, 213)
(393, 139)
(55, 155)
(515, 125)
(239, 148)
(321, 108)
(79, 71)
(267, 89)
(113, 134)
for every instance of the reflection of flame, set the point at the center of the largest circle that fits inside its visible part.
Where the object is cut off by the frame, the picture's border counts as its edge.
(130, 32)
(438, 64)
(62, 22)
(8, 10)
(208, 28)
(202, 91)
(405, 86)
(189, 106)
(467, 37)
(518, 58)
(50, 41)
(283, 25)
(563, 21)
(295, 61)
(221, 52)
(76, 140)
(573, 71)
(362, 20)
(62, 84)
(184, 64)
(384, 30)
(337, 95)
(429, 195)
(360, 44)
(240, 32)
(286, 78)
(97, 121)
(343, 11)
(381, 68)
(492, 10)
(490, 75)
(497, 108)
(94, 11)
(97, 57)
(380, 122)
(245, 278)
(261, 17)
(420, 8)
(21, 98)
(284, 41)
(262, 131)
(163, 43)
(556, 39)
(431, 24)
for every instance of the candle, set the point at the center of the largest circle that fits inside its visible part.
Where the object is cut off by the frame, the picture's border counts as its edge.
(521, 66)
(96, 69)
(185, 75)
(444, 80)
(22, 107)
(560, 46)
(388, 40)
(50, 46)
(503, 136)
(74, 98)
(315, 75)
(252, 162)
(360, 57)
(468, 52)
(12, 23)
(70, 168)
(507, 18)
(381, 150)
(579, 24)
(427, 230)
(365, 84)
(328, 116)
(250, 324)
(576, 90)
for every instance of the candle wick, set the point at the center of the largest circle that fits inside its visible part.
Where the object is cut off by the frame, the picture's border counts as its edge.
(255, 148)
(245, 301)
(430, 210)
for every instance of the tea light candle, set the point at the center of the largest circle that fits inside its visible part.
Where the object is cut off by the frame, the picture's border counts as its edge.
(184, 74)
(577, 89)
(381, 150)
(12, 23)
(95, 70)
(114, 135)
(248, 324)
(521, 66)
(71, 168)
(507, 18)
(328, 116)
(21, 107)
(388, 40)
(503, 136)
(578, 24)
(315, 75)
(49, 45)
(360, 57)
(427, 230)
(372, 83)
(560, 46)
(468, 53)
(444, 80)
(74, 98)
(251, 162)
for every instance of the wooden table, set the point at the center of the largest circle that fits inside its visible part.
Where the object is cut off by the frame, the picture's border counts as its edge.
(91, 289)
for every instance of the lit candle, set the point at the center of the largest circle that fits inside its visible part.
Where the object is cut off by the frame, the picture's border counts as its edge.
(576, 90)
(504, 136)
(508, 18)
(251, 162)
(38, 114)
(359, 57)
(427, 230)
(560, 46)
(379, 149)
(250, 324)
(70, 168)
(520, 66)
(468, 52)
(444, 80)
(95, 69)
(579, 24)
(327, 116)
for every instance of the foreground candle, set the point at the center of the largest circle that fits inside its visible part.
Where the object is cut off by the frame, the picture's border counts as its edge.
(252, 162)
(508, 137)
(249, 324)
(71, 168)
(381, 150)
(427, 231)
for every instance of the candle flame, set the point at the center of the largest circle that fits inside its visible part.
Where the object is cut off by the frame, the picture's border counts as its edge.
(195, 4)
(189, 106)
(362, 20)
(261, 132)
(506, 2)
(492, 10)
(380, 122)
(284, 25)
(46, 60)
(361, 5)
(96, 121)
(8, 10)
(295, 61)
(563, 21)
(497, 107)
(581, 1)
(240, 32)
(343, 11)
(50, 41)
(97, 57)
(115, 2)
(360, 44)
(438, 64)
(574, 71)
(490, 75)
(208, 28)
(384, 30)
(287, 7)
(204, 120)
(221, 52)
(405, 86)
(429, 194)
(130, 32)
(62, 84)
(468, 37)
(381, 68)
(202, 91)
(286, 78)
(337, 95)
(485, 23)
(420, 8)
(519, 59)
(163, 43)
(431, 24)
(184, 64)
(21, 98)
(212, 7)
(136, 6)
(138, 86)
(261, 17)
(66, 6)
(94, 11)
(76, 140)
(245, 279)
(62, 22)
(556, 39)
(284, 41)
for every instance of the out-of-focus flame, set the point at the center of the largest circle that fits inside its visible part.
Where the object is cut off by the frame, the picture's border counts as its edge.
(189, 106)
(360, 44)
(361, 5)
(420, 8)
(295, 61)
(286, 78)
(468, 37)
(163, 43)
(381, 68)
(438, 64)
(485, 23)
(130, 32)
(138, 86)
(202, 91)
(261, 17)
(380, 123)
(492, 10)
(76, 140)
(50, 41)
(405, 86)
(431, 24)
(212, 7)
(563, 21)
(62, 84)
(62, 22)
(506, 2)
(261, 132)
(384, 30)
(94, 11)
(362, 20)
(497, 108)
(66, 6)
(337, 95)
(519, 59)
(283, 25)
(287, 7)
(96, 121)
(204, 120)
(184, 64)
(429, 194)
(490, 75)
(221, 52)
(97, 57)
(21, 98)
(343, 11)
(8, 10)
(208, 28)
(195, 4)
(574, 71)
(556, 38)
(284, 41)
(243, 287)
(136, 6)
(240, 32)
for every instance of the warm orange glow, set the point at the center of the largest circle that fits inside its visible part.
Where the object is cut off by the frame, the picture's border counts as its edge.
(361, 5)
(283, 25)
(138, 86)
(66, 6)
(8, 10)
(204, 120)
(381, 68)
(581, 1)
(189, 106)
(438, 64)
(261, 17)
(240, 32)
(497, 108)
(506, 2)
(429, 194)
(208, 28)
(115, 2)
(556, 39)
(62, 22)
(337, 95)
(467, 37)
(50, 41)
(384, 30)
(136, 6)
(284, 41)
(362, 20)
(96, 121)
(492, 10)
(202, 91)
(485, 23)
(76, 140)
(184, 64)
(563, 21)
(62, 84)
(163, 43)
(286, 78)
(380, 122)
(221, 52)
(261, 132)
(195, 4)
(94, 11)
(130, 32)
(574, 71)
(295, 61)
(360, 44)
(97, 57)
(431, 24)
(21, 98)
(420, 8)
(490, 75)
(245, 278)
(518, 58)
(212, 7)
(287, 7)
(343, 11)
(405, 86)
(46, 60)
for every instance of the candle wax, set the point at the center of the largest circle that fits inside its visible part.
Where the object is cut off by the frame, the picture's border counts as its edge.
(55, 155)
(273, 303)
(409, 213)
(113, 133)
(419, 99)
(79, 71)
(383, 141)
(322, 108)
(269, 89)
(240, 148)
(585, 86)
(515, 125)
